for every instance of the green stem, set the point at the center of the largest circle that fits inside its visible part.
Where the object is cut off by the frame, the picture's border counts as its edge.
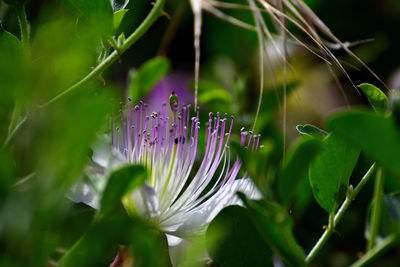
(376, 209)
(15, 123)
(154, 14)
(338, 216)
(376, 251)
(23, 25)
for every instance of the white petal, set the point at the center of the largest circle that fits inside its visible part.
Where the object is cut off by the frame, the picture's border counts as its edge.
(119, 4)
(173, 240)
(101, 151)
(195, 222)
(83, 193)
(146, 201)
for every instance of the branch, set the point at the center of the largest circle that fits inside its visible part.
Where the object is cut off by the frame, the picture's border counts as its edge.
(154, 14)
(338, 216)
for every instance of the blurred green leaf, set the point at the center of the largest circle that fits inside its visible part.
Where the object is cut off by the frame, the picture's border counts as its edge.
(330, 172)
(233, 240)
(121, 182)
(118, 17)
(99, 245)
(375, 96)
(99, 14)
(7, 174)
(296, 167)
(254, 163)
(147, 76)
(272, 102)
(303, 197)
(215, 94)
(57, 139)
(13, 65)
(62, 62)
(276, 227)
(311, 131)
(376, 134)
(210, 92)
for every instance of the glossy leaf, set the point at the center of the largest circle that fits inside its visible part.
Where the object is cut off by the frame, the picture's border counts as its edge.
(330, 172)
(118, 17)
(121, 182)
(99, 14)
(296, 167)
(276, 227)
(377, 135)
(375, 96)
(311, 131)
(147, 76)
(233, 240)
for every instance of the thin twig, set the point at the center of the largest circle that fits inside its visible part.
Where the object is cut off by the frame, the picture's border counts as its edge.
(338, 216)
(154, 14)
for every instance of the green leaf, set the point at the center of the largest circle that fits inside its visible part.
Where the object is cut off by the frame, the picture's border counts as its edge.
(376, 134)
(272, 101)
(296, 167)
(330, 172)
(99, 245)
(210, 91)
(309, 130)
(98, 13)
(121, 182)
(215, 94)
(147, 76)
(276, 226)
(12, 67)
(233, 240)
(7, 174)
(375, 96)
(118, 17)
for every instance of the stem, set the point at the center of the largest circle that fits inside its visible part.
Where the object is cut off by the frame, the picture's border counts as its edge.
(376, 251)
(154, 14)
(23, 25)
(376, 209)
(338, 216)
(15, 123)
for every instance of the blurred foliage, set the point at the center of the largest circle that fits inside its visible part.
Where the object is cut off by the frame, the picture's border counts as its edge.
(229, 246)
